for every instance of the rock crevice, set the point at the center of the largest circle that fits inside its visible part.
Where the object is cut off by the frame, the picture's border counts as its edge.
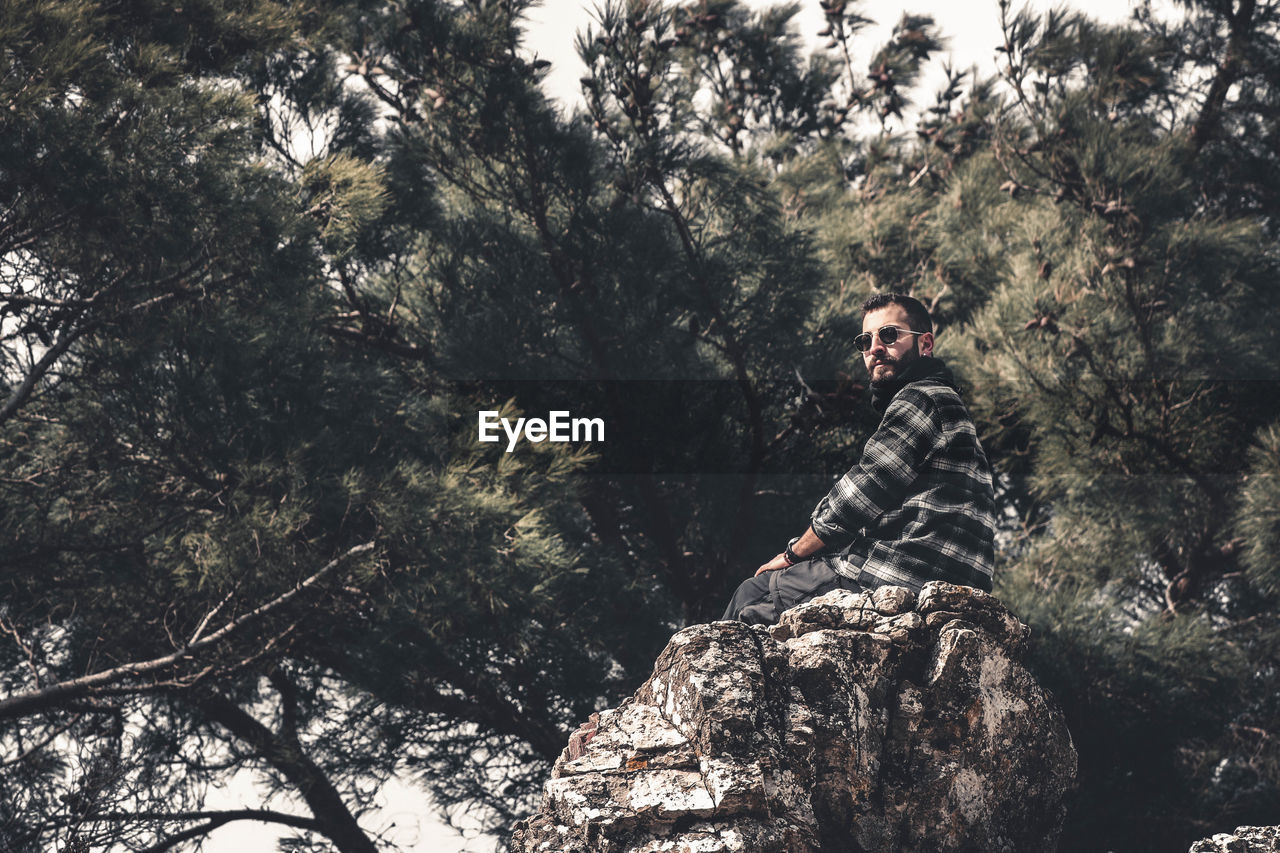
(860, 722)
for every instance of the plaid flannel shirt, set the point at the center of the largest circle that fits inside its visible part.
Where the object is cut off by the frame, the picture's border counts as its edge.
(919, 505)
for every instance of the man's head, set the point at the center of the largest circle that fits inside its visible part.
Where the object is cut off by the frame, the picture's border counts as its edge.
(912, 334)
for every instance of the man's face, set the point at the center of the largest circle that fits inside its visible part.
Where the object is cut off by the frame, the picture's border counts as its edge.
(886, 362)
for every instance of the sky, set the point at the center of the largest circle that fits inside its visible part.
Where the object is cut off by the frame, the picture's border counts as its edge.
(972, 28)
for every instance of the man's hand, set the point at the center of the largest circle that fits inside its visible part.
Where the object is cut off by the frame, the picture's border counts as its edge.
(778, 562)
(804, 548)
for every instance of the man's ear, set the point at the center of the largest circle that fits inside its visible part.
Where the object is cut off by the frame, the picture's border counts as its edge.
(926, 343)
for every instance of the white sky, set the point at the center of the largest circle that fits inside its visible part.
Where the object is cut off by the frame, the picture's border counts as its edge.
(972, 28)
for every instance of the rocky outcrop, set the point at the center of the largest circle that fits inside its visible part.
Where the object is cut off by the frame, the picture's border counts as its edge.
(860, 722)
(1246, 839)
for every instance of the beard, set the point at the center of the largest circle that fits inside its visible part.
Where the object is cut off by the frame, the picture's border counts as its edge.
(895, 365)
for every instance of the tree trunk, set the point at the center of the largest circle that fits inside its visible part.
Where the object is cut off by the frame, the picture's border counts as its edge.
(283, 752)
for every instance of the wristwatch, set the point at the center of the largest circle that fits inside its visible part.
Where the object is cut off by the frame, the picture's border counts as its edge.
(789, 555)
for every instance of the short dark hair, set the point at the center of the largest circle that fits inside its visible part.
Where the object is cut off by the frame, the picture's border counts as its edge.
(917, 315)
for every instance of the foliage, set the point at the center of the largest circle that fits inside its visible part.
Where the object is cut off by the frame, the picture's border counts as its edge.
(261, 266)
(1077, 259)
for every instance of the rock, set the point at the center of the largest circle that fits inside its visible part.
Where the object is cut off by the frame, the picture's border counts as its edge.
(861, 722)
(1246, 839)
(837, 609)
(892, 600)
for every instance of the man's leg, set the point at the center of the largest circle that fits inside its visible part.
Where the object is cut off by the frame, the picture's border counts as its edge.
(762, 599)
(749, 593)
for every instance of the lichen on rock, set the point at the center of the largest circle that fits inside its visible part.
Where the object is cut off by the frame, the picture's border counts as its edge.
(1245, 839)
(860, 722)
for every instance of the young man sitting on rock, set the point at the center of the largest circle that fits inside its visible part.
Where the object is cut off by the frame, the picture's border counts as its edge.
(917, 507)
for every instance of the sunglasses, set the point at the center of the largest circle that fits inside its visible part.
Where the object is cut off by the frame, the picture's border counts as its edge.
(888, 336)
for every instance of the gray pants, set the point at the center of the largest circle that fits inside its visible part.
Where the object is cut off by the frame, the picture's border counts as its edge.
(760, 600)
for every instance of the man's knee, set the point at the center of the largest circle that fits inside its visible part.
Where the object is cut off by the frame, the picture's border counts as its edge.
(749, 593)
(761, 613)
(761, 600)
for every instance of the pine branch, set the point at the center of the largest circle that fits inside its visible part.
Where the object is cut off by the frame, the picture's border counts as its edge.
(332, 817)
(288, 706)
(11, 241)
(411, 352)
(1229, 72)
(37, 748)
(70, 336)
(28, 384)
(213, 820)
(75, 688)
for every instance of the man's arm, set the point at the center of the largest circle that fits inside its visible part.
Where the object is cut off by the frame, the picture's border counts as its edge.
(879, 482)
(805, 547)
(890, 463)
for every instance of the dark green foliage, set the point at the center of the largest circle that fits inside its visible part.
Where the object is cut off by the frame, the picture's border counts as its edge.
(1142, 697)
(260, 266)
(1259, 512)
(203, 413)
(1080, 267)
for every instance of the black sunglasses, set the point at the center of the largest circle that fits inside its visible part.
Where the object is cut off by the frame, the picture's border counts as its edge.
(888, 336)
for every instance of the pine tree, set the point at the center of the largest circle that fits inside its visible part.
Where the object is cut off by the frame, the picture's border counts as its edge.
(263, 265)
(1102, 285)
(231, 498)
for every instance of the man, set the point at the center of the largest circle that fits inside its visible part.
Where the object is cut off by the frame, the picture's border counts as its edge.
(917, 507)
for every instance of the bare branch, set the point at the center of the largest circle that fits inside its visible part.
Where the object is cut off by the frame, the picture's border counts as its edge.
(27, 753)
(1229, 72)
(212, 820)
(29, 382)
(334, 818)
(25, 389)
(25, 703)
(27, 650)
(204, 623)
(403, 350)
